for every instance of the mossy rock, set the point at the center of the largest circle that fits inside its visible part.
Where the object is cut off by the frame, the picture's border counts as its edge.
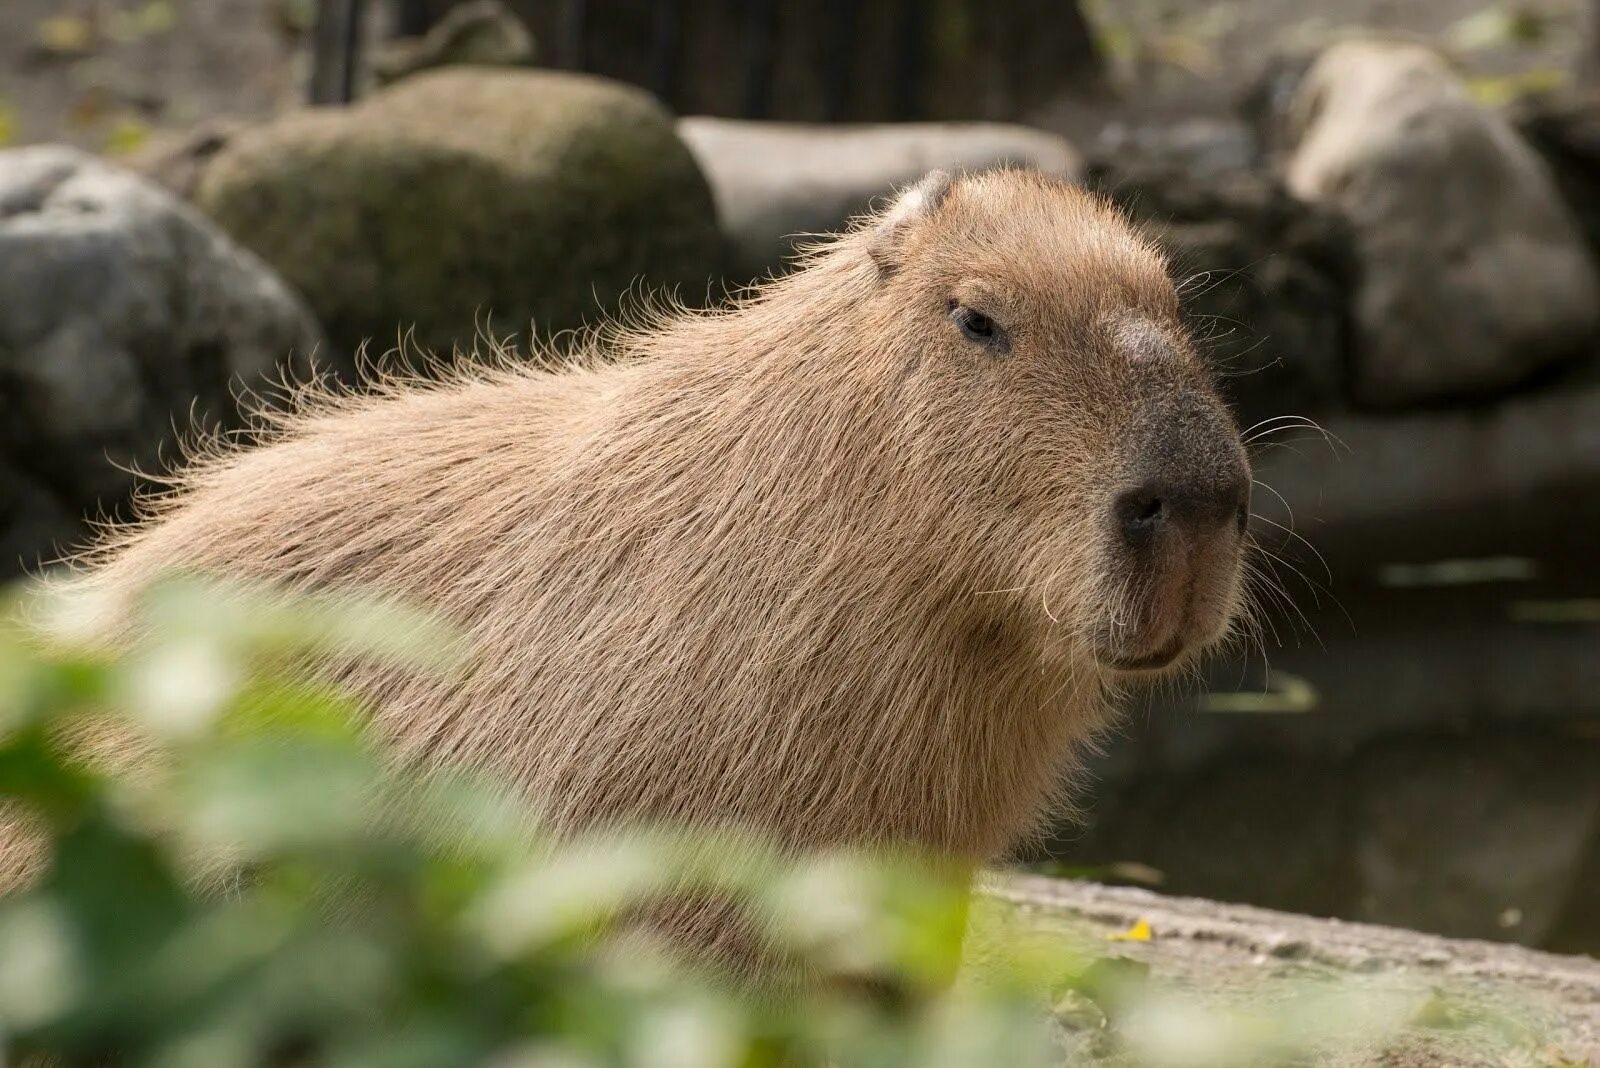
(466, 196)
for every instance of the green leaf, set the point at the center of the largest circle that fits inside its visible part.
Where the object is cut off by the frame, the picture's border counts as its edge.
(33, 772)
(40, 973)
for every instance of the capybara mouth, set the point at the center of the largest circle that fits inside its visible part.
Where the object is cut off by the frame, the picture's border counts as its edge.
(1161, 658)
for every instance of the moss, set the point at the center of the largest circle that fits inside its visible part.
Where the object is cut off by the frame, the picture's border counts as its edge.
(463, 194)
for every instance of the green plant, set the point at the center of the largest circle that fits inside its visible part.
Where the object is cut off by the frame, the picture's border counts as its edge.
(257, 888)
(229, 875)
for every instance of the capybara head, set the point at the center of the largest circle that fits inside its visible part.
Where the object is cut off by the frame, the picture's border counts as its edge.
(1112, 484)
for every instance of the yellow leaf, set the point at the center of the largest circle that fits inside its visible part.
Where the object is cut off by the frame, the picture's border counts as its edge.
(8, 125)
(126, 136)
(65, 35)
(1139, 932)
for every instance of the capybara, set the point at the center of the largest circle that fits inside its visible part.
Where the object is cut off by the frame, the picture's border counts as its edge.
(858, 559)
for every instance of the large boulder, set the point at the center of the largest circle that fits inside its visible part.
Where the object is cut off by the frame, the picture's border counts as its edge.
(1475, 275)
(1264, 278)
(469, 195)
(122, 312)
(777, 182)
(1565, 130)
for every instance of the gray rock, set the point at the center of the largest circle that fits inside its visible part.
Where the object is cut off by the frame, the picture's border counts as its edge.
(775, 181)
(33, 518)
(1565, 131)
(1474, 272)
(467, 196)
(1264, 279)
(121, 310)
(1204, 148)
(177, 159)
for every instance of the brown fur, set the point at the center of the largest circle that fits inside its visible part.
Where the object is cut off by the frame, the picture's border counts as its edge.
(813, 563)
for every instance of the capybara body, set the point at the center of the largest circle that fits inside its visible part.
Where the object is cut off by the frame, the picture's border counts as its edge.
(856, 560)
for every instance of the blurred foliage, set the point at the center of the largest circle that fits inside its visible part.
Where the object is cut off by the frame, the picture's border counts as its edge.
(295, 17)
(359, 923)
(128, 134)
(9, 125)
(228, 875)
(1498, 26)
(65, 36)
(1499, 91)
(70, 36)
(149, 19)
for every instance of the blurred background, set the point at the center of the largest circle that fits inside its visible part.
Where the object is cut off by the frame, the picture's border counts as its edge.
(1383, 213)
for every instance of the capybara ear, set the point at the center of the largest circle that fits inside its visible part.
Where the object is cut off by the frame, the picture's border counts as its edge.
(914, 203)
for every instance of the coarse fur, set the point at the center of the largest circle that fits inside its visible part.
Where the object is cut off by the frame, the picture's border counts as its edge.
(813, 564)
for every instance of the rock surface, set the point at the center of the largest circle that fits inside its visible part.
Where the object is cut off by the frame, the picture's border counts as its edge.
(1474, 272)
(1265, 279)
(1565, 131)
(481, 33)
(176, 160)
(121, 312)
(463, 196)
(776, 181)
(1422, 1000)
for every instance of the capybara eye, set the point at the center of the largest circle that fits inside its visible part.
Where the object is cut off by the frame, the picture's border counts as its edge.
(978, 327)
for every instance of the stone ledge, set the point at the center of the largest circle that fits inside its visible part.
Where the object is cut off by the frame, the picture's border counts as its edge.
(1212, 948)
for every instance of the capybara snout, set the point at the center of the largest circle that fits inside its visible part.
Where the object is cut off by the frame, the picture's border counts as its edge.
(1175, 532)
(1177, 529)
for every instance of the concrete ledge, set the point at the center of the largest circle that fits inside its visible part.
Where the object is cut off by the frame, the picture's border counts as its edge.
(1537, 1008)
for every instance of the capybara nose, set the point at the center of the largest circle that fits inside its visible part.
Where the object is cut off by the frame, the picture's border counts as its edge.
(1155, 510)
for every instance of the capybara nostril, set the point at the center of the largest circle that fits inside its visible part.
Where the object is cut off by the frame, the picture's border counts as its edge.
(1151, 510)
(1140, 513)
